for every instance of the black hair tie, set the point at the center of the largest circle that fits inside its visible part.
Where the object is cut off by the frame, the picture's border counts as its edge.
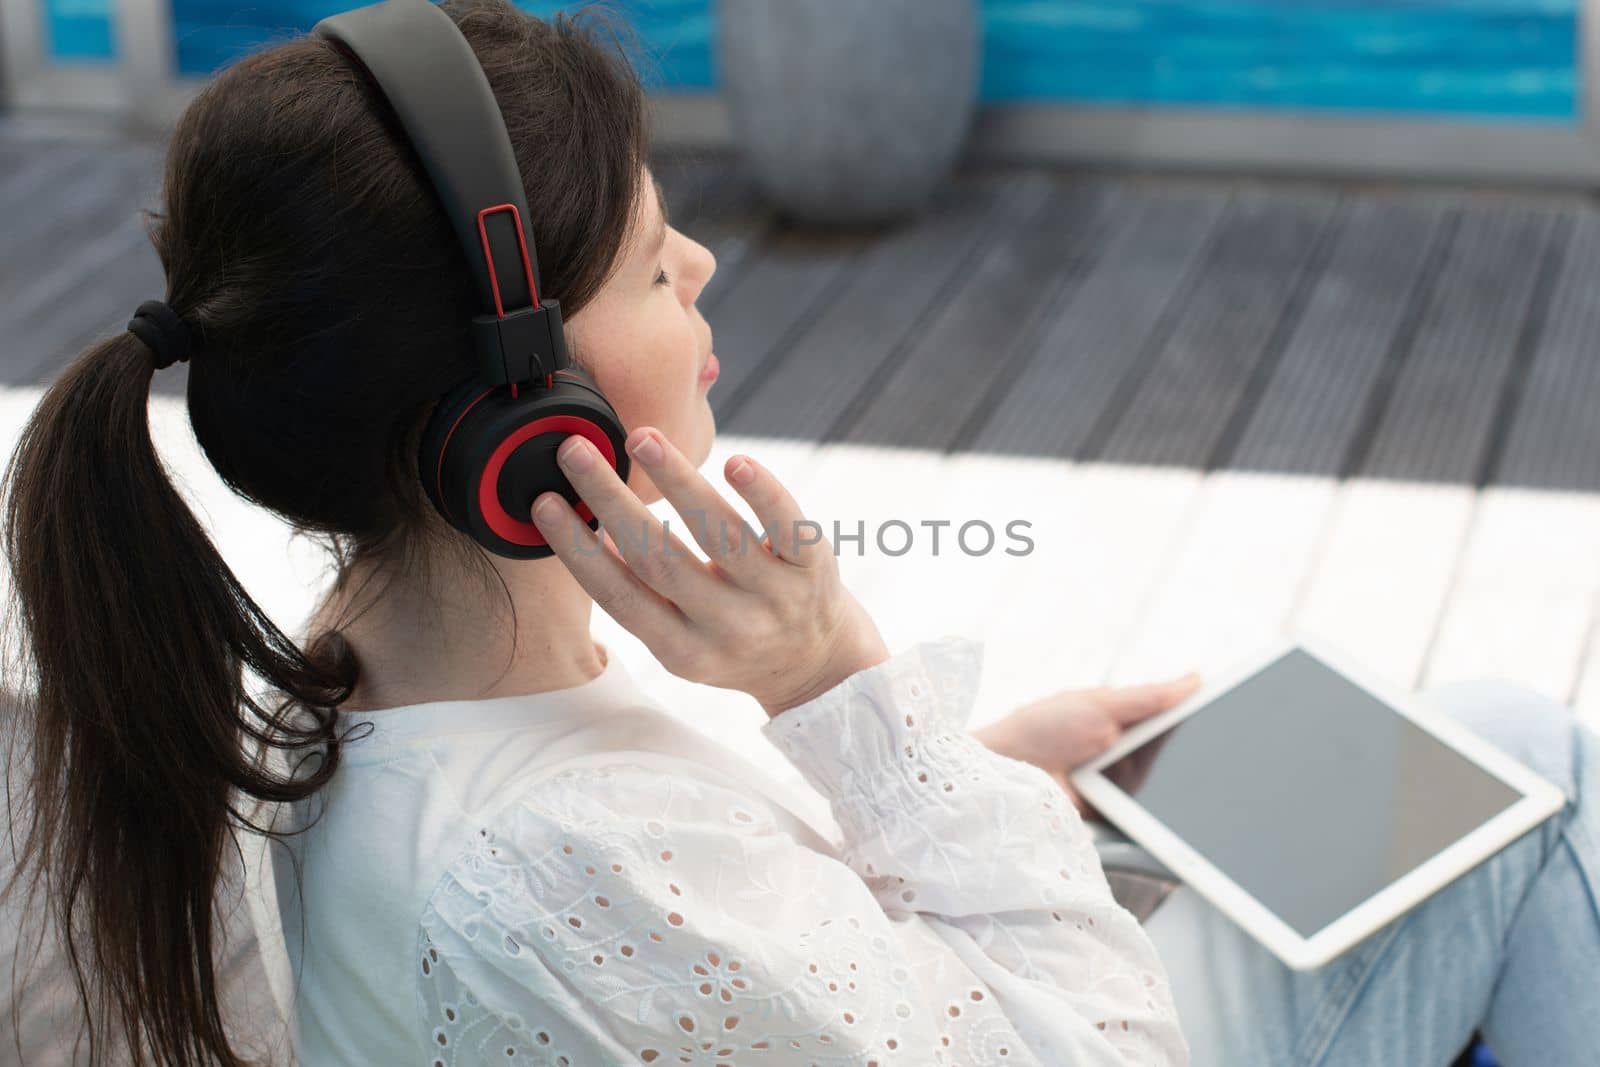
(161, 328)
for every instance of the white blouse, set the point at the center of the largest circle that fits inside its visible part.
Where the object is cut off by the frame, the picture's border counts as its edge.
(576, 878)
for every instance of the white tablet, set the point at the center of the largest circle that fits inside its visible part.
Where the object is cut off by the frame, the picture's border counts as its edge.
(1310, 802)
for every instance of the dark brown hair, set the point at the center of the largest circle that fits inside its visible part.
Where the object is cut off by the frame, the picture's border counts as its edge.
(329, 302)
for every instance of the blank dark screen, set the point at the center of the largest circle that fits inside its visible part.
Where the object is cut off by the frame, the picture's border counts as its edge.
(1307, 791)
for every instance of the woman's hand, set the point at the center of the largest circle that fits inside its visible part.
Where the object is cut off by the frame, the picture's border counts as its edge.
(1068, 729)
(768, 617)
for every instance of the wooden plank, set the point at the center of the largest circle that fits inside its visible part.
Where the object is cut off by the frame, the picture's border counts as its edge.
(1045, 240)
(1437, 419)
(780, 288)
(879, 503)
(27, 240)
(960, 582)
(1230, 586)
(1378, 586)
(1049, 406)
(1231, 320)
(1256, 534)
(45, 317)
(58, 333)
(882, 300)
(28, 178)
(1585, 698)
(936, 586)
(1310, 411)
(1129, 523)
(1396, 547)
(1554, 439)
(1525, 597)
(1524, 593)
(1103, 535)
(106, 192)
(48, 129)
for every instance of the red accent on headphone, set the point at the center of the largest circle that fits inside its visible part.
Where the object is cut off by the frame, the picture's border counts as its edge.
(522, 243)
(523, 531)
(438, 474)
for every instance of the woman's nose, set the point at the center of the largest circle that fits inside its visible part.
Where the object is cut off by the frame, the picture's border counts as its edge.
(705, 265)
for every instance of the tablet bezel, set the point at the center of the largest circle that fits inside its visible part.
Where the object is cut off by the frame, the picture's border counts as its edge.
(1540, 800)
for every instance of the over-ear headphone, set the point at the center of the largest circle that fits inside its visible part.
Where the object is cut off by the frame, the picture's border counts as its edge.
(489, 446)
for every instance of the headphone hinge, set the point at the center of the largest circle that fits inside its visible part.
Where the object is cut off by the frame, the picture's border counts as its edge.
(523, 345)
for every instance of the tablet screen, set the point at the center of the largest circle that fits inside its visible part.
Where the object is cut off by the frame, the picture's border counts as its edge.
(1308, 791)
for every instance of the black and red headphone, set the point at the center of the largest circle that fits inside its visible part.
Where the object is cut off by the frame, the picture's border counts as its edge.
(489, 446)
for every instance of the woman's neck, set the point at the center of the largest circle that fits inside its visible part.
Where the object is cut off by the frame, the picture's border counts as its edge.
(453, 638)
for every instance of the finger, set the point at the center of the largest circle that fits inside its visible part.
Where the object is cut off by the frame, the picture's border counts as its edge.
(1129, 704)
(794, 538)
(653, 552)
(728, 540)
(606, 576)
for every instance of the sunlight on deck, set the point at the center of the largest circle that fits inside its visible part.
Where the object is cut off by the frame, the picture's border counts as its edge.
(1134, 572)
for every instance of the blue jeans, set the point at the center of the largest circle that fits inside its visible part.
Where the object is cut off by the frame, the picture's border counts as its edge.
(1511, 949)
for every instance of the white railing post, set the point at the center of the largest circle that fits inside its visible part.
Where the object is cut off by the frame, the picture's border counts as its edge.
(1588, 89)
(22, 54)
(148, 57)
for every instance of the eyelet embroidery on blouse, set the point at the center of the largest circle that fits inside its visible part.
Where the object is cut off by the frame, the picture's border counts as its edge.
(661, 919)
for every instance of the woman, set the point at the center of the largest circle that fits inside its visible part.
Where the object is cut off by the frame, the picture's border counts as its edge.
(499, 849)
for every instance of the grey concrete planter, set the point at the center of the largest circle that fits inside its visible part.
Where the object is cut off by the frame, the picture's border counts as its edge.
(850, 111)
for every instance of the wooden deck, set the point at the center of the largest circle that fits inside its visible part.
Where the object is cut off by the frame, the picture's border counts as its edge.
(1226, 408)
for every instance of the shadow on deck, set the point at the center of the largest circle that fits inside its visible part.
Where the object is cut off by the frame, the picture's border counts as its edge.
(1419, 333)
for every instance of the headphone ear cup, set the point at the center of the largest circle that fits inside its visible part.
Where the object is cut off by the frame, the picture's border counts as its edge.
(446, 414)
(603, 416)
(580, 378)
(489, 454)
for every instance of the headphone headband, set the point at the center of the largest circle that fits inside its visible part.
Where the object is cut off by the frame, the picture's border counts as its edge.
(429, 74)
(488, 449)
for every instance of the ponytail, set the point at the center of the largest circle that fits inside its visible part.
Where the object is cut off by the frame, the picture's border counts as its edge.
(137, 651)
(135, 636)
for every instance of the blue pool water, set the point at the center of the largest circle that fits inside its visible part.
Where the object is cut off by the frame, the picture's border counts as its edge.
(78, 31)
(675, 35)
(1513, 58)
(1509, 59)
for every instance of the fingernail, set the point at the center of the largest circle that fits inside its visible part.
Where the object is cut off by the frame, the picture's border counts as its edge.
(574, 455)
(648, 450)
(742, 473)
(545, 509)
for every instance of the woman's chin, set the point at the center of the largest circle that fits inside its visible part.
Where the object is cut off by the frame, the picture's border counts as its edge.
(707, 438)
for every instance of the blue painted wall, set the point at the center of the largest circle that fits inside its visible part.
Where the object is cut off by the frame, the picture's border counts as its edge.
(1510, 59)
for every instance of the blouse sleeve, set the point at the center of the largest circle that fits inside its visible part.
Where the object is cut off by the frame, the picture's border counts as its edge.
(625, 914)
